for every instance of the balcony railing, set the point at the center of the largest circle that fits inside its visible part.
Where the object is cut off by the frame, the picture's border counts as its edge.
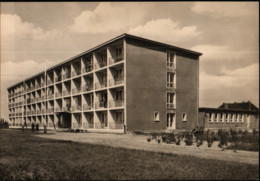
(116, 103)
(88, 68)
(75, 73)
(58, 94)
(100, 85)
(67, 108)
(43, 84)
(170, 105)
(38, 111)
(58, 109)
(89, 125)
(116, 125)
(87, 106)
(33, 112)
(49, 82)
(65, 93)
(88, 87)
(37, 86)
(76, 108)
(117, 81)
(44, 97)
(38, 99)
(43, 111)
(51, 110)
(100, 65)
(50, 96)
(58, 79)
(101, 105)
(76, 90)
(115, 60)
(66, 76)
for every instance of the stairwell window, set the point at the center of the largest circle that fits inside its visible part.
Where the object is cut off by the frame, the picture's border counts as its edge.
(184, 116)
(171, 59)
(156, 116)
(170, 79)
(119, 52)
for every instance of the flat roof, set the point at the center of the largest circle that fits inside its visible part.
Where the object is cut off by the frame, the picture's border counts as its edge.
(104, 44)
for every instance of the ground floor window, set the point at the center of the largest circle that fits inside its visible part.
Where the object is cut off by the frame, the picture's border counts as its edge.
(170, 120)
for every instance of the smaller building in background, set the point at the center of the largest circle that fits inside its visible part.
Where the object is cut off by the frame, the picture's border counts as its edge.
(243, 115)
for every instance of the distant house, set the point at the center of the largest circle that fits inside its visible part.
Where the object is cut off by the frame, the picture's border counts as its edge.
(244, 115)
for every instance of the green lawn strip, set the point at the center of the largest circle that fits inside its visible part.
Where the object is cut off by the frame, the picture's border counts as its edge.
(23, 155)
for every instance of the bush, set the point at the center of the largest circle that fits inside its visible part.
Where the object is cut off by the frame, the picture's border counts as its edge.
(188, 138)
(210, 138)
(37, 127)
(223, 138)
(198, 133)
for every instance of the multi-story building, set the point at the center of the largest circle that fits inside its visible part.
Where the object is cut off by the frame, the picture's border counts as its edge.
(242, 115)
(127, 83)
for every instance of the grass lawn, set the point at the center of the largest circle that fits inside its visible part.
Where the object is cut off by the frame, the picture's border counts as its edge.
(23, 156)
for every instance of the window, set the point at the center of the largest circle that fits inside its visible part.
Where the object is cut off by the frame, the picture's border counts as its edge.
(243, 118)
(226, 117)
(231, 117)
(221, 117)
(170, 100)
(119, 116)
(170, 79)
(104, 59)
(119, 95)
(118, 73)
(184, 116)
(170, 120)
(119, 52)
(216, 117)
(170, 59)
(240, 118)
(210, 117)
(156, 116)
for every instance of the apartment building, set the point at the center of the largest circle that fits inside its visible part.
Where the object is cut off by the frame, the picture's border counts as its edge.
(243, 115)
(125, 84)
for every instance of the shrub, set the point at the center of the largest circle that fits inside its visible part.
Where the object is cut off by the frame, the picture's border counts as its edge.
(37, 127)
(77, 130)
(210, 138)
(188, 138)
(198, 133)
(223, 138)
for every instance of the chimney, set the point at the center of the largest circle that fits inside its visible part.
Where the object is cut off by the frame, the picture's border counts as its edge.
(225, 105)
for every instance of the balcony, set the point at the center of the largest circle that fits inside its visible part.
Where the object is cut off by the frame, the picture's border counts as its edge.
(43, 84)
(66, 76)
(170, 105)
(38, 111)
(76, 73)
(50, 96)
(28, 100)
(33, 113)
(38, 99)
(49, 82)
(88, 68)
(76, 91)
(101, 65)
(100, 85)
(58, 109)
(115, 60)
(101, 105)
(43, 97)
(65, 93)
(117, 81)
(116, 125)
(66, 108)
(116, 103)
(28, 113)
(87, 106)
(87, 87)
(51, 110)
(58, 94)
(76, 108)
(43, 111)
(37, 86)
(58, 79)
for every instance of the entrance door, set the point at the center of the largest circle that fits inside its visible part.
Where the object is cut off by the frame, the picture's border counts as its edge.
(171, 120)
(64, 120)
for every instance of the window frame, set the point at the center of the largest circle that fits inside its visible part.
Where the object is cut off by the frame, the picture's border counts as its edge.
(185, 116)
(156, 116)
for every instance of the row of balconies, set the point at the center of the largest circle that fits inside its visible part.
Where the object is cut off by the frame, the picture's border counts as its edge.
(87, 68)
(15, 104)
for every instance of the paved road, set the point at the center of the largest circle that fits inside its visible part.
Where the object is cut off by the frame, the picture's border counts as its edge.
(139, 142)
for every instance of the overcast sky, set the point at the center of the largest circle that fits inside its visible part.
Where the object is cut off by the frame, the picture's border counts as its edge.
(35, 35)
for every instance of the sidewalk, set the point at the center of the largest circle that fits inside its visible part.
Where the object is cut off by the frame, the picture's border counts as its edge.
(139, 142)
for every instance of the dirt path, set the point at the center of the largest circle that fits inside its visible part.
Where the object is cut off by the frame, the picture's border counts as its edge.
(139, 142)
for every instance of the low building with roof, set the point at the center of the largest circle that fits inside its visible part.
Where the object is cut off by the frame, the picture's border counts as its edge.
(244, 115)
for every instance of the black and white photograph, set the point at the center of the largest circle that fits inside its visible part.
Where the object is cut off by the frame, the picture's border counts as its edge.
(129, 90)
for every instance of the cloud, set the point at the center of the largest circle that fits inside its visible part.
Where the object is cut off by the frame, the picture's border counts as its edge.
(241, 84)
(166, 30)
(107, 17)
(226, 9)
(221, 53)
(239, 78)
(14, 27)
(13, 72)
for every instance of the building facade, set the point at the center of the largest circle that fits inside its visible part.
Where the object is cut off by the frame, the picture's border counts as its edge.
(125, 84)
(243, 115)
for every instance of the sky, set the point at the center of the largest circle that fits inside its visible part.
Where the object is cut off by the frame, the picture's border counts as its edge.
(36, 35)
